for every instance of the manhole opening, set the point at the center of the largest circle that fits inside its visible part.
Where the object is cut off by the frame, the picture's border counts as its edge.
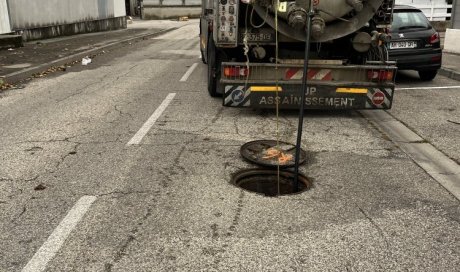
(265, 182)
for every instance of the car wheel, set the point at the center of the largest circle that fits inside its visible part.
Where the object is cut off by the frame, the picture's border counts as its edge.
(213, 68)
(427, 75)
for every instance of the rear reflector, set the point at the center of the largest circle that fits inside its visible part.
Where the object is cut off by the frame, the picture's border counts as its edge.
(235, 71)
(380, 75)
(266, 89)
(436, 59)
(351, 90)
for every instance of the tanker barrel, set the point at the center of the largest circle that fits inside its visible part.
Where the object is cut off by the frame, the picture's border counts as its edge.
(335, 18)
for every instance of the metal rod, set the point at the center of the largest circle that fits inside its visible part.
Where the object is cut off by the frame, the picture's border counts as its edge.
(302, 100)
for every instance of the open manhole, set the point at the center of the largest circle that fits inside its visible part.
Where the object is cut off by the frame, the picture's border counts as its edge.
(265, 181)
(269, 153)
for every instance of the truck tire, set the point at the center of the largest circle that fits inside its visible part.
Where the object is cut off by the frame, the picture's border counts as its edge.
(214, 62)
(427, 75)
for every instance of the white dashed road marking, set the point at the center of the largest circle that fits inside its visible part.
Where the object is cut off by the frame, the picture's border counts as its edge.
(47, 251)
(428, 88)
(137, 138)
(188, 73)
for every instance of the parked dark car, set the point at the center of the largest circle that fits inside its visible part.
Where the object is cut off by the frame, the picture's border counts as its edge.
(415, 44)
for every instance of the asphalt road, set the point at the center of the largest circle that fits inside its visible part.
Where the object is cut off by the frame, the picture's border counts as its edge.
(86, 184)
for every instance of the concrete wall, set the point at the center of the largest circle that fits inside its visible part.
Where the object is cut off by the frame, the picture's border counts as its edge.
(451, 42)
(168, 9)
(4, 18)
(119, 8)
(31, 14)
(47, 18)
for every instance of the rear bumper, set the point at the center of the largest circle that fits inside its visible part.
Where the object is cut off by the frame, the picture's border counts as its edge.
(324, 96)
(330, 87)
(410, 61)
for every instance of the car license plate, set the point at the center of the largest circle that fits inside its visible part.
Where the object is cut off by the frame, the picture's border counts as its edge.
(398, 45)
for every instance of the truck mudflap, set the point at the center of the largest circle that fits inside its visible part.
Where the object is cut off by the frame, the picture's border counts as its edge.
(288, 96)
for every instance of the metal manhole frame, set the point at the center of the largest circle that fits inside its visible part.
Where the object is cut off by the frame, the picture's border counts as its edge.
(248, 172)
(244, 152)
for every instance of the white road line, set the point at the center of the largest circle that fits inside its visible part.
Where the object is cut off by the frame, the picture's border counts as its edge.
(47, 251)
(428, 88)
(137, 138)
(189, 72)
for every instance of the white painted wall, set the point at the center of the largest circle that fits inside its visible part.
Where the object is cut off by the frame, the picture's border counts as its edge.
(119, 8)
(4, 18)
(27, 14)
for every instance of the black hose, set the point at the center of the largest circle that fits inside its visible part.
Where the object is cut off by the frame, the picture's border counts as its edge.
(302, 101)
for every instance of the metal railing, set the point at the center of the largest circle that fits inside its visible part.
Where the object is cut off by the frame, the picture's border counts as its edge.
(435, 11)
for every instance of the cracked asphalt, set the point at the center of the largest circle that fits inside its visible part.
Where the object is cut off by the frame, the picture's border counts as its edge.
(167, 204)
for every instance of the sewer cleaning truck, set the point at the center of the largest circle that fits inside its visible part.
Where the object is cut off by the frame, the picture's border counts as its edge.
(255, 53)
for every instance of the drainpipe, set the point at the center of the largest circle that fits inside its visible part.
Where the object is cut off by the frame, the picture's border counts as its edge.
(141, 9)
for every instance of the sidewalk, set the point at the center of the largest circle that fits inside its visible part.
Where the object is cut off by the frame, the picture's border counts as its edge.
(38, 57)
(450, 66)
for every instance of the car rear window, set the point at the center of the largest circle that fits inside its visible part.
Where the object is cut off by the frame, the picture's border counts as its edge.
(403, 20)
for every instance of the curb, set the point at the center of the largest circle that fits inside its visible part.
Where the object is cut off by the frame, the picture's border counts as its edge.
(449, 73)
(25, 73)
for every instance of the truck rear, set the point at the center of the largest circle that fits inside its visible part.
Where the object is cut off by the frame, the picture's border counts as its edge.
(255, 53)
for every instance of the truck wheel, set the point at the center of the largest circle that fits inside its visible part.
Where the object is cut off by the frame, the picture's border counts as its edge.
(213, 68)
(427, 75)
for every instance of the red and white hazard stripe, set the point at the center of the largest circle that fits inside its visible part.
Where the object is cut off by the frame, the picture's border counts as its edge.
(312, 74)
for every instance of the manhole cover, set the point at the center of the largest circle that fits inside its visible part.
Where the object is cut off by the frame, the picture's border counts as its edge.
(265, 181)
(266, 153)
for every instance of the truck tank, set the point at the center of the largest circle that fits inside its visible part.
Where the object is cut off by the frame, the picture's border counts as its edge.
(332, 19)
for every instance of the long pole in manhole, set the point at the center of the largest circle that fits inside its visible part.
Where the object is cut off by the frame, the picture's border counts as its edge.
(302, 100)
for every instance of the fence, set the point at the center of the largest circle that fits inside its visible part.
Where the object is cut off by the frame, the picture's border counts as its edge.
(436, 12)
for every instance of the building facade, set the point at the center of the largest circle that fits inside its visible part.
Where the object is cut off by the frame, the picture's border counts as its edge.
(5, 26)
(50, 18)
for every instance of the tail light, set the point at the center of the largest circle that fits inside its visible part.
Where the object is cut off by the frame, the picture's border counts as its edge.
(236, 71)
(380, 75)
(434, 38)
